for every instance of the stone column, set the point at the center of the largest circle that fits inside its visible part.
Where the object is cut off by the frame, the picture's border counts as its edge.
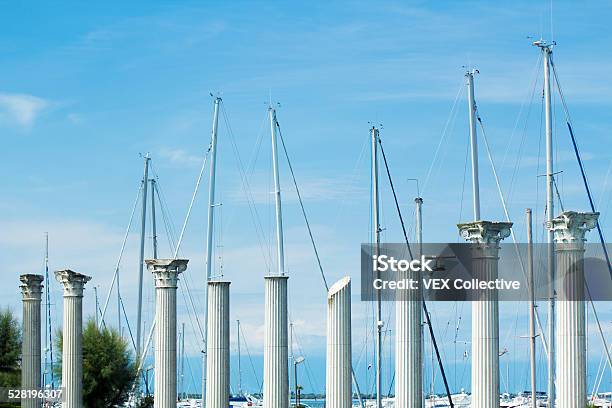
(569, 229)
(165, 273)
(485, 236)
(31, 289)
(408, 346)
(217, 345)
(72, 340)
(276, 358)
(338, 393)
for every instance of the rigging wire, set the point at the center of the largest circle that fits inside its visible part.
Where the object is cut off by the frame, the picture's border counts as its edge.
(193, 197)
(256, 219)
(246, 345)
(299, 195)
(443, 136)
(579, 159)
(588, 191)
(118, 265)
(431, 332)
(507, 215)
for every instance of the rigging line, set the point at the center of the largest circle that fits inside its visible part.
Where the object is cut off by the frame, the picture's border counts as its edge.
(299, 195)
(163, 202)
(193, 197)
(605, 185)
(535, 76)
(169, 232)
(256, 219)
(431, 332)
(314, 246)
(246, 346)
(465, 167)
(127, 322)
(189, 315)
(301, 351)
(558, 195)
(443, 137)
(603, 338)
(519, 156)
(579, 159)
(588, 190)
(125, 237)
(505, 208)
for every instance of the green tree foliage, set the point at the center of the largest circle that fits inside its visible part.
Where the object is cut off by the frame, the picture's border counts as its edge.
(108, 367)
(10, 350)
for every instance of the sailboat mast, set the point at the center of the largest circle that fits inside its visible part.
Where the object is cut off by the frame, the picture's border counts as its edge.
(550, 214)
(473, 143)
(143, 226)
(183, 360)
(239, 367)
(210, 232)
(277, 196)
(153, 219)
(532, 332)
(376, 226)
(276, 358)
(48, 331)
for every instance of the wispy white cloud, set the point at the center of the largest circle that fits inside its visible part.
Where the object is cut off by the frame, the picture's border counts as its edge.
(22, 109)
(180, 157)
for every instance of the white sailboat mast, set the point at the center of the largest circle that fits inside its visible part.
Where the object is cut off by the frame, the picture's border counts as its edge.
(277, 196)
(473, 143)
(550, 215)
(210, 232)
(532, 331)
(143, 226)
(376, 225)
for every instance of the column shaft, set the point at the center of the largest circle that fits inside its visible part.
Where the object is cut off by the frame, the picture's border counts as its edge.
(569, 230)
(276, 376)
(165, 348)
(485, 237)
(30, 361)
(408, 348)
(72, 352)
(218, 342)
(72, 337)
(339, 357)
(485, 332)
(571, 329)
(165, 273)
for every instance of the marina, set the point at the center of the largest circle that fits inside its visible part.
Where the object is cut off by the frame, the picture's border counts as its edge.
(253, 283)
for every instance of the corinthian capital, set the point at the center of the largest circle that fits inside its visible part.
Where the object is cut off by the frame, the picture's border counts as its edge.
(485, 232)
(571, 226)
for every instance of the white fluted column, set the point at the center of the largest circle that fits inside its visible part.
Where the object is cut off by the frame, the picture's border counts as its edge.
(31, 289)
(485, 236)
(408, 347)
(276, 358)
(338, 393)
(165, 273)
(72, 338)
(217, 345)
(569, 229)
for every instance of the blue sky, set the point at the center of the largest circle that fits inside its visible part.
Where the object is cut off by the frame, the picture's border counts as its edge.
(86, 89)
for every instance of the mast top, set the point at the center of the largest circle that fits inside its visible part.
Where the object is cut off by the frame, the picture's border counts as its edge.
(470, 72)
(544, 45)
